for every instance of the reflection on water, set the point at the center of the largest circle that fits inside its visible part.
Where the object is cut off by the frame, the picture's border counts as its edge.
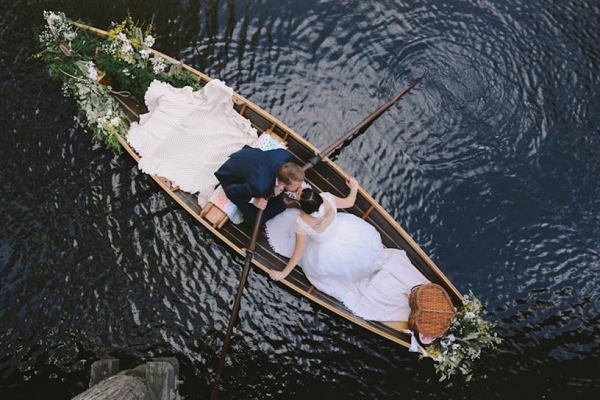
(491, 164)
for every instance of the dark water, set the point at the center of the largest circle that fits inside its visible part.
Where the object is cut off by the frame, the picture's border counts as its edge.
(492, 164)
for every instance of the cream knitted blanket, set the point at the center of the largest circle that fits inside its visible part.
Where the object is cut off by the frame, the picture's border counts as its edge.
(186, 136)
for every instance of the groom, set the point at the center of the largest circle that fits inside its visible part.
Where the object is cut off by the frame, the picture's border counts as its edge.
(254, 179)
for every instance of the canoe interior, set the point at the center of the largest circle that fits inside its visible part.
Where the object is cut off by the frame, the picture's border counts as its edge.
(326, 176)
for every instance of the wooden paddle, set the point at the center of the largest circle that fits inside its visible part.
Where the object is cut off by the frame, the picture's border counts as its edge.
(360, 128)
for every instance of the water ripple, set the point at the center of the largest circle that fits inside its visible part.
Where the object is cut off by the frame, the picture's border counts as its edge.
(491, 163)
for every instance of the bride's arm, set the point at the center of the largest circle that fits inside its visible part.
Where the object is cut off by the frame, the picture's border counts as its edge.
(349, 200)
(298, 251)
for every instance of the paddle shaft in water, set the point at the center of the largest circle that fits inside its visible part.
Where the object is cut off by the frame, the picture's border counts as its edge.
(360, 128)
(236, 304)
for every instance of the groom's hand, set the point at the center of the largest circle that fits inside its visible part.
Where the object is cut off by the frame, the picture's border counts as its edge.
(260, 203)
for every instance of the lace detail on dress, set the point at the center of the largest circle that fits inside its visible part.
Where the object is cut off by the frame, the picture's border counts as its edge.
(303, 228)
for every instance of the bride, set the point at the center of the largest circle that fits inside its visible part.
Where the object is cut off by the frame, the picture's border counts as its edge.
(343, 256)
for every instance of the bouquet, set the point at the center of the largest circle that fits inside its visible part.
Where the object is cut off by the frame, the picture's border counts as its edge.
(90, 66)
(469, 333)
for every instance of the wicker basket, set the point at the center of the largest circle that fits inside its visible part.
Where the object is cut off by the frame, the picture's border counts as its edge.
(431, 310)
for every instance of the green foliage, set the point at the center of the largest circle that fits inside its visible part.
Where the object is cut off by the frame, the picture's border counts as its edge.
(90, 67)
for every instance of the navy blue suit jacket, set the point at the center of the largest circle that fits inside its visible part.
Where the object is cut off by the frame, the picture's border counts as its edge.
(249, 173)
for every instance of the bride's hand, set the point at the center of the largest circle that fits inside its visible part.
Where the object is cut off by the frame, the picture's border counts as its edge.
(352, 183)
(277, 275)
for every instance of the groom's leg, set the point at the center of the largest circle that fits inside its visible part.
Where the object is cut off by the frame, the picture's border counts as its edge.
(248, 211)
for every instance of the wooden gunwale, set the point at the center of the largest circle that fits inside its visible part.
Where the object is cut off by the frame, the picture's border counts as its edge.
(321, 177)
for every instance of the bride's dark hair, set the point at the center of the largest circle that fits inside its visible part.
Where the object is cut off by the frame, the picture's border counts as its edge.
(310, 201)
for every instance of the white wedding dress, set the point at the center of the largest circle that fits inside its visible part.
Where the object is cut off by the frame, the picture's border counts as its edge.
(348, 261)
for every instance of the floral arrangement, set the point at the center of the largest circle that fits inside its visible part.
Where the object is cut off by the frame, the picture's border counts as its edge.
(90, 66)
(469, 333)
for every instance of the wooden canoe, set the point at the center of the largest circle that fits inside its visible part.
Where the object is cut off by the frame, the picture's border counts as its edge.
(326, 176)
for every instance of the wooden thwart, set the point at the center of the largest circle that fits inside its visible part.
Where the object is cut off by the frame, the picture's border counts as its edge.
(271, 132)
(242, 103)
(398, 325)
(214, 215)
(368, 212)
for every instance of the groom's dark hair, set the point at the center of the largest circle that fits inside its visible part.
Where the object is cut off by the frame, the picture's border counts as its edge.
(310, 201)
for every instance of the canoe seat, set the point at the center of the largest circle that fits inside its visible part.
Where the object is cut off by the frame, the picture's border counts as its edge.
(397, 325)
(276, 138)
(368, 212)
(214, 215)
(240, 102)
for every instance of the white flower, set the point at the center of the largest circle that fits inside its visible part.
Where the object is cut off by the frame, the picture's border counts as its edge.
(127, 47)
(53, 19)
(144, 54)
(149, 41)
(447, 340)
(92, 73)
(115, 121)
(70, 35)
(127, 57)
(158, 65)
(82, 89)
(58, 27)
